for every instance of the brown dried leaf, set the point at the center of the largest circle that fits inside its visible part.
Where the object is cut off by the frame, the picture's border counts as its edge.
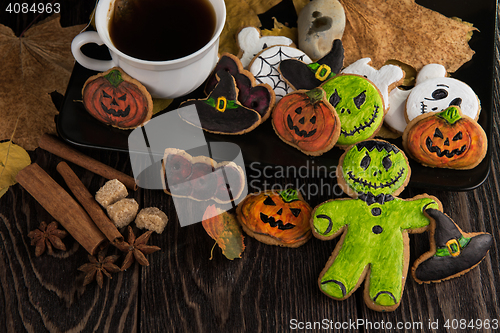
(225, 230)
(32, 66)
(406, 32)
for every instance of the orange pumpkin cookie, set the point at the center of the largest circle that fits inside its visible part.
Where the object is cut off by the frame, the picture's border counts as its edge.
(276, 218)
(448, 139)
(114, 98)
(305, 120)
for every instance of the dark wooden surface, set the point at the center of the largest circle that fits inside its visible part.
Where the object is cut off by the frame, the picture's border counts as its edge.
(183, 291)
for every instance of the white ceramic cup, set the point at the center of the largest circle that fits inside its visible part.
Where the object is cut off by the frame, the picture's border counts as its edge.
(163, 79)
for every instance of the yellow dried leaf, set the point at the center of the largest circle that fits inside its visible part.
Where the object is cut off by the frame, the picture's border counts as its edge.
(160, 104)
(33, 66)
(404, 31)
(299, 5)
(13, 159)
(262, 6)
(239, 15)
(280, 29)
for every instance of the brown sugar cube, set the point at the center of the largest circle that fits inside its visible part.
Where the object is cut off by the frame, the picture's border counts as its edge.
(111, 192)
(123, 212)
(152, 219)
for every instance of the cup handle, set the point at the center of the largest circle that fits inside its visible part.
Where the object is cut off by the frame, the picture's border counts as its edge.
(90, 63)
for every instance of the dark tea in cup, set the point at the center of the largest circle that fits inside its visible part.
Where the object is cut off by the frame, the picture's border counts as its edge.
(161, 30)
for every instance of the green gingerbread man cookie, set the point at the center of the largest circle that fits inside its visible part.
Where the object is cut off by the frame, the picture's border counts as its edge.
(374, 225)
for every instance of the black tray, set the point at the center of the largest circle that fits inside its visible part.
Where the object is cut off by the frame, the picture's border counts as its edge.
(262, 147)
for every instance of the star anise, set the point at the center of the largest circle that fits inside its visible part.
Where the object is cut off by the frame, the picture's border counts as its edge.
(46, 237)
(99, 266)
(136, 249)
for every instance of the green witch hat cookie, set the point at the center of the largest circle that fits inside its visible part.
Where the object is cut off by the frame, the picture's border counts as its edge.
(221, 112)
(300, 75)
(452, 253)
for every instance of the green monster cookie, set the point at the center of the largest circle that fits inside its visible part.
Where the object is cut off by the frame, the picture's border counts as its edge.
(359, 104)
(375, 226)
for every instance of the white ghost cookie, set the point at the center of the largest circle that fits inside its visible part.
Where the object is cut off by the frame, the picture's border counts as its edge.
(251, 42)
(264, 67)
(434, 92)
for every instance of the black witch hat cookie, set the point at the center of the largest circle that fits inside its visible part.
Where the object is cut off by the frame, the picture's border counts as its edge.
(300, 75)
(221, 112)
(453, 252)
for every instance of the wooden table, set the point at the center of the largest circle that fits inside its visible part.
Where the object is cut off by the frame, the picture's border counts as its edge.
(269, 289)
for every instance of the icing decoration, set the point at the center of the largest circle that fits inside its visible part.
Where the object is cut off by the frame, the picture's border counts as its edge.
(276, 218)
(300, 75)
(220, 112)
(201, 178)
(359, 104)
(447, 139)
(265, 67)
(258, 97)
(385, 79)
(434, 92)
(395, 116)
(305, 120)
(251, 42)
(116, 99)
(452, 253)
(374, 227)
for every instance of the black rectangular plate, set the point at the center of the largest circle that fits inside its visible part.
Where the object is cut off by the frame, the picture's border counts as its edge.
(262, 145)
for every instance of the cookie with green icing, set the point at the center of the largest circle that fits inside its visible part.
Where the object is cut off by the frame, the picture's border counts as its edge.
(300, 75)
(359, 104)
(221, 112)
(374, 225)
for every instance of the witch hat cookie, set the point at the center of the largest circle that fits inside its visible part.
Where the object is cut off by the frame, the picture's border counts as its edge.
(453, 252)
(221, 112)
(300, 75)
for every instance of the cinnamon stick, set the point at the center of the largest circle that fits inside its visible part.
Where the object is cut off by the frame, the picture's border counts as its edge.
(63, 208)
(88, 202)
(57, 147)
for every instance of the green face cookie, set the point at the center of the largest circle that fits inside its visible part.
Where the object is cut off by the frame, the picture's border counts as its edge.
(359, 105)
(375, 167)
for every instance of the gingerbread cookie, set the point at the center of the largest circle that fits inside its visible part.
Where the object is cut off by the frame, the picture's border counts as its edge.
(201, 178)
(276, 217)
(221, 112)
(305, 120)
(264, 67)
(434, 92)
(114, 98)
(359, 104)
(453, 252)
(447, 139)
(251, 42)
(374, 225)
(258, 97)
(300, 75)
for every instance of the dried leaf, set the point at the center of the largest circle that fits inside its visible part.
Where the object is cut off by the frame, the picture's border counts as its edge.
(32, 66)
(239, 15)
(280, 29)
(225, 230)
(13, 159)
(160, 104)
(404, 31)
(262, 6)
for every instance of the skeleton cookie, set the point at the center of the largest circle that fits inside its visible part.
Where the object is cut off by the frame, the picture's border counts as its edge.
(375, 225)
(435, 92)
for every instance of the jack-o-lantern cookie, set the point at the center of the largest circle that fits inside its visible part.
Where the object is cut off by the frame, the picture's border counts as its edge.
(359, 104)
(300, 75)
(452, 253)
(305, 120)
(434, 92)
(221, 112)
(259, 97)
(201, 178)
(264, 67)
(276, 217)
(374, 246)
(447, 139)
(114, 98)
